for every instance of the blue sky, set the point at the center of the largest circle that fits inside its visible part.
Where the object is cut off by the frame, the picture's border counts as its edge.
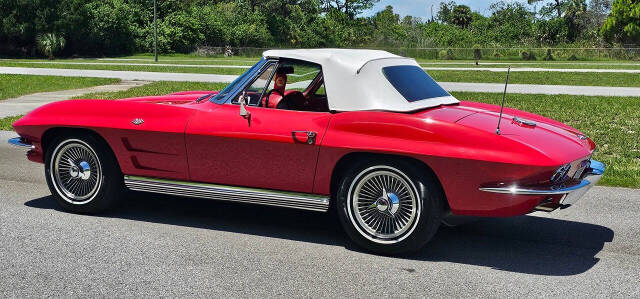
(421, 8)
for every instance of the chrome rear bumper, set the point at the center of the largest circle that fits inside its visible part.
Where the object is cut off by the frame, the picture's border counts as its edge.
(19, 142)
(571, 193)
(590, 179)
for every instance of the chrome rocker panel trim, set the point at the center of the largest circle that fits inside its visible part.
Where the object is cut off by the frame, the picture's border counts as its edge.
(572, 193)
(285, 199)
(17, 141)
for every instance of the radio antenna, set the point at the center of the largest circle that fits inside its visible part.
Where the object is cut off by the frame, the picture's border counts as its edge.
(504, 95)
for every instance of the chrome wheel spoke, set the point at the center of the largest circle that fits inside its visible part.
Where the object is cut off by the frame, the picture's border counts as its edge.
(76, 171)
(384, 204)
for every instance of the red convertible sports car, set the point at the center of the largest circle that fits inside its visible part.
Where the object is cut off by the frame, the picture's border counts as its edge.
(366, 133)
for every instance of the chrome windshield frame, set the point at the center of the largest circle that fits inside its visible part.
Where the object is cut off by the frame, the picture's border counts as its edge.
(238, 84)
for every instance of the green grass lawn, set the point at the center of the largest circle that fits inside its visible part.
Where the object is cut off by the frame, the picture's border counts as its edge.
(12, 86)
(549, 65)
(138, 68)
(141, 60)
(154, 88)
(249, 61)
(179, 56)
(612, 122)
(543, 78)
(551, 78)
(5, 123)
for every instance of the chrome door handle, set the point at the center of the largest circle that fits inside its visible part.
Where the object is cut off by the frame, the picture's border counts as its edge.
(307, 137)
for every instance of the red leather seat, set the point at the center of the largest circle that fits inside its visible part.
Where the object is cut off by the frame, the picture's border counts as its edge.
(280, 98)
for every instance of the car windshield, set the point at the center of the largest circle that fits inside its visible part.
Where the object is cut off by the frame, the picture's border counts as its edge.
(237, 81)
(413, 83)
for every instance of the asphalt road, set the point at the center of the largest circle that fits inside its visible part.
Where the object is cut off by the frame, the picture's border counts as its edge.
(175, 247)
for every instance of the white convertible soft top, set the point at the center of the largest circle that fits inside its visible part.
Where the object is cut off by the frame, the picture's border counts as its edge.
(354, 79)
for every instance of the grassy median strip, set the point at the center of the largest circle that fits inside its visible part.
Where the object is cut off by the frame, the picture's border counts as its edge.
(543, 78)
(154, 88)
(12, 86)
(541, 66)
(5, 123)
(612, 122)
(136, 68)
(621, 64)
(540, 78)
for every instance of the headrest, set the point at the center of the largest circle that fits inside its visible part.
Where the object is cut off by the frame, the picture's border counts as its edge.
(285, 70)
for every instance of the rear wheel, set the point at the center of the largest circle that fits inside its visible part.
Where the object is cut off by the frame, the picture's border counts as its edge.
(82, 174)
(389, 207)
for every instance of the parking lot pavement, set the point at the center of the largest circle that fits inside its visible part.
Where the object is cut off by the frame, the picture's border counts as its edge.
(174, 247)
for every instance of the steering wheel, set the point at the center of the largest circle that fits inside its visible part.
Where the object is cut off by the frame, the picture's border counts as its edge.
(266, 100)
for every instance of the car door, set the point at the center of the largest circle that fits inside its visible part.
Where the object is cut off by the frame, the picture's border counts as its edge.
(271, 149)
(275, 149)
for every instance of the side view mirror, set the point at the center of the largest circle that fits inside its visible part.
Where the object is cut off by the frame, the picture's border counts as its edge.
(243, 105)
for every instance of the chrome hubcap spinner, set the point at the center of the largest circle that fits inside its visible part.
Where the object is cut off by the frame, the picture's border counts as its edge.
(80, 171)
(387, 203)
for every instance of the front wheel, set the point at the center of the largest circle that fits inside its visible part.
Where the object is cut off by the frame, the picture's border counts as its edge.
(389, 207)
(82, 174)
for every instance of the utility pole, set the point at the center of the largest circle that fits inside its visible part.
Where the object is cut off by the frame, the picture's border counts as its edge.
(155, 31)
(432, 13)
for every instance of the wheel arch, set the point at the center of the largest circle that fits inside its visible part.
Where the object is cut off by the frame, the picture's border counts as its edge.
(351, 158)
(50, 135)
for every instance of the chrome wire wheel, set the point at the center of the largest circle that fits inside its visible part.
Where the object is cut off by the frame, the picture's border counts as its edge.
(76, 171)
(383, 204)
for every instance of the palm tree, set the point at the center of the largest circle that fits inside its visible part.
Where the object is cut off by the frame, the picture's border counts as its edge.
(50, 43)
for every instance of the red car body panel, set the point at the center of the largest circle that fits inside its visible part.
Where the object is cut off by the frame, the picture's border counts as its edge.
(225, 148)
(207, 142)
(463, 155)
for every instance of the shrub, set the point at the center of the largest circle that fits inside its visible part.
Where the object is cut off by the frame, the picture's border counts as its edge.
(442, 54)
(111, 27)
(447, 54)
(527, 55)
(496, 54)
(477, 52)
(572, 57)
(178, 32)
(50, 43)
(549, 56)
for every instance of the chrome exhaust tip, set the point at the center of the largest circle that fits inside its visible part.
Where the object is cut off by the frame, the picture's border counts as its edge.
(548, 206)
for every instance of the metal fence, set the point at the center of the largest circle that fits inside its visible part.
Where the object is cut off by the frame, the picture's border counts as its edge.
(468, 53)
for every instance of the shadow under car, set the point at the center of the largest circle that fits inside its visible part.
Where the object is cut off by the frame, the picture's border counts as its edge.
(524, 244)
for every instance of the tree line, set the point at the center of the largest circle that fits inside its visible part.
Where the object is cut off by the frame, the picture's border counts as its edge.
(117, 27)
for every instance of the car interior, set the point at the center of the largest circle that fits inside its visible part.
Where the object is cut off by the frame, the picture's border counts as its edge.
(289, 85)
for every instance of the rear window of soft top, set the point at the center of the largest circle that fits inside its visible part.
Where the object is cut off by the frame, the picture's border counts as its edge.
(413, 83)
